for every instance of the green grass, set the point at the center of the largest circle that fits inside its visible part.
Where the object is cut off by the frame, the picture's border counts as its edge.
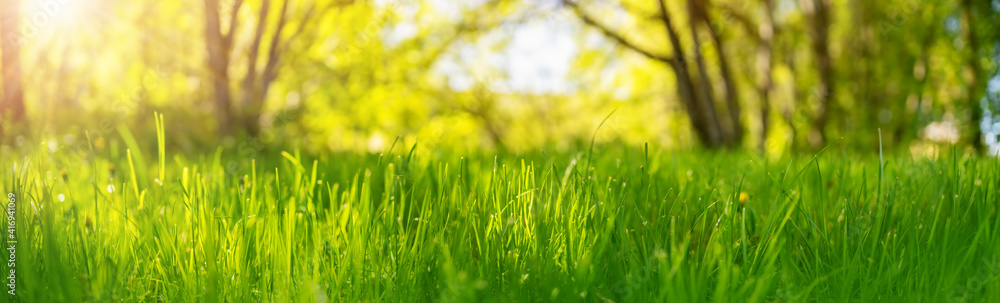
(637, 225)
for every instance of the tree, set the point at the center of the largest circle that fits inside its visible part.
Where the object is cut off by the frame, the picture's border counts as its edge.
(818, 12)
(12, 105)
(694, 86)
(765, 64)
(256, 81)
(219, 46)
(975, 79)
(762, 33)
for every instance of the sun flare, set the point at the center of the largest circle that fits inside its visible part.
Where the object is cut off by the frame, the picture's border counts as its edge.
(48, 16)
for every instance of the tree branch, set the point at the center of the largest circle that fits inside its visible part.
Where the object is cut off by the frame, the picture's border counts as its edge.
(249, 91)
(232, 22)
(310, 13)
(616, 36)
(740, 17)
(270, 70)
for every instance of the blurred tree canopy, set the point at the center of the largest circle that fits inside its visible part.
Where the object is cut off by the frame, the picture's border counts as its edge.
(516, 75)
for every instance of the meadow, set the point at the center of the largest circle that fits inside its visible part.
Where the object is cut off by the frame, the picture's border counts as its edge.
(454, 151)
(608, 223)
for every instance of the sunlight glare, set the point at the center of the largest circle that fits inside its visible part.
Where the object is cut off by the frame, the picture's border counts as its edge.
(53, 15)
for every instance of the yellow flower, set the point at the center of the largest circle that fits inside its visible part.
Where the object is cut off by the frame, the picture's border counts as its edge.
(744, 197)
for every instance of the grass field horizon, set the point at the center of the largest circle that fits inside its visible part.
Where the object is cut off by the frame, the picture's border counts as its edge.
(609, 223)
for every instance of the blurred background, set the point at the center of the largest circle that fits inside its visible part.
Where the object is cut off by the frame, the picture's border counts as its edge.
(776, 76)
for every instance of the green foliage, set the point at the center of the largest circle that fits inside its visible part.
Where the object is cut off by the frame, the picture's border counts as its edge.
(350, 75)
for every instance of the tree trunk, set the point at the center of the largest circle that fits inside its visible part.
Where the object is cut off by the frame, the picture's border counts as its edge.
(789, 110)
(703, 116)
(975, 90)
(819, 14)
(704, 92)
(251, 95)
(256, 82)
(270, 71)
(12, 105)
(218, 65)
(733, 128)
(698, 104)
(917, 118)
(730, 94)
(765, 53)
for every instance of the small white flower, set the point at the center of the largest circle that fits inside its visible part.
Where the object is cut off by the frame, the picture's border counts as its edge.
(111, 188)
(62, 198)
